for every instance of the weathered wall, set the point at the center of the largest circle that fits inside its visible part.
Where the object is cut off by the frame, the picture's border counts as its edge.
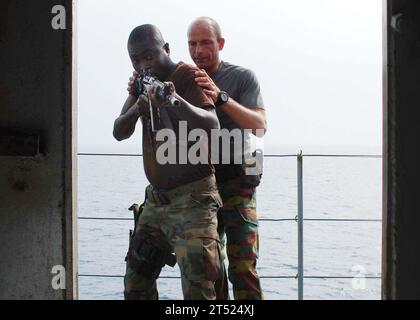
(37, 194)
(401, 232)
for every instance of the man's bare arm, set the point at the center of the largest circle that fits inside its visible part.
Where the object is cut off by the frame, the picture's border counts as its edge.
(197, 118)
(125, 124)
(247, 118)
(253, 118)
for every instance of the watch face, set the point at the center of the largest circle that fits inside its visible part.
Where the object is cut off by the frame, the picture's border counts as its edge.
(224, 96)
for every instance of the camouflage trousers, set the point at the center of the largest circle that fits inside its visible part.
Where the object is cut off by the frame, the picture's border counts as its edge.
(187, 217)
(238, 226)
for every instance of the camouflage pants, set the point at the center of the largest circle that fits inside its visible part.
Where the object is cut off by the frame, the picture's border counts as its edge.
(189, 223)
(238, 225)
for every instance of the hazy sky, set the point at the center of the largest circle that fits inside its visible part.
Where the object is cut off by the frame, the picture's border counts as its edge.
(318, 63)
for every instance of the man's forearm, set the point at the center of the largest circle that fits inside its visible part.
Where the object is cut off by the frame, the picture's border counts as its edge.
(125, 124)
(196, 117)
(246, 118)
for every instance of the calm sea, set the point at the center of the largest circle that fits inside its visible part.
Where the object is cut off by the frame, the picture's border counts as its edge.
(341, 259)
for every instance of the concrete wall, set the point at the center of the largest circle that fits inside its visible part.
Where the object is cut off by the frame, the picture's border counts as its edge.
(37, 186)
(401, 210)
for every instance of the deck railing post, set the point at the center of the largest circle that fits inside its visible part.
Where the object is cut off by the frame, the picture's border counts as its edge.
(300, 224)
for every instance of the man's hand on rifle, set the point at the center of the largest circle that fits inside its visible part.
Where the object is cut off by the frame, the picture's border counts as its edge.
(143, 106)
(132, 84)
(171, 93)
(156, 99)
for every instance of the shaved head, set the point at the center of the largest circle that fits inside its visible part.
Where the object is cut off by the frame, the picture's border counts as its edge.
(209, 23)
(146, 33)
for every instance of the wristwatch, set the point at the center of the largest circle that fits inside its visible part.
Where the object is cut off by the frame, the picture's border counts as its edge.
(222, 98)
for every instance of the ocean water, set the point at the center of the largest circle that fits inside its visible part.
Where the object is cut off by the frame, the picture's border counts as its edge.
(334, 188)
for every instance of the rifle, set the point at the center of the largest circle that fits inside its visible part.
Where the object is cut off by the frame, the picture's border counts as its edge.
(162, 91)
